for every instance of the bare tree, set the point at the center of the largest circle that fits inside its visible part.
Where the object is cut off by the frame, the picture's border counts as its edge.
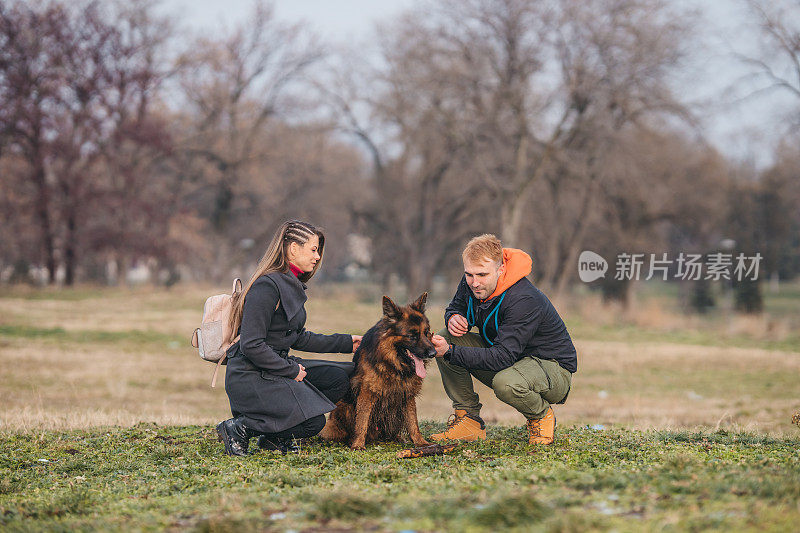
(19, 232)
(233, 87)
(411, 120)
(78, 85)
(30, 44)
(104, 124)
(496, 65)
(775, 68)
(778, 65)
(616, 58)
(303, 172)
(544, 92)
(779, 226)
(138, 187)
(662, 193)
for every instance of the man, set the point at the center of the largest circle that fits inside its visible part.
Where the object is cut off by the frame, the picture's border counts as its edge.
(521, 349)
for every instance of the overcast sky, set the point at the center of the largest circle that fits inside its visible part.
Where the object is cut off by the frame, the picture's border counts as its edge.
(741, 129)
(338, 19)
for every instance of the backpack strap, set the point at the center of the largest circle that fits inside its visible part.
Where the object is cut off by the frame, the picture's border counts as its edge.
(216, 370)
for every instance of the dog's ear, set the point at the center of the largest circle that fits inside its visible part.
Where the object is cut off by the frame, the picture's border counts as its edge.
(419, 304)
(390, 310)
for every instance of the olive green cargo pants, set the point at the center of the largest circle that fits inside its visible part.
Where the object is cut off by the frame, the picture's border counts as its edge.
(529, 386)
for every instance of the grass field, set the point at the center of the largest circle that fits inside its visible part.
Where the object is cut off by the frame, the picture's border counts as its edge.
(106, 419)
(149, 477)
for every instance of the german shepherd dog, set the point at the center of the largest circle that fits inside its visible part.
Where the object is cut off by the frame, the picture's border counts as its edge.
(390, 366)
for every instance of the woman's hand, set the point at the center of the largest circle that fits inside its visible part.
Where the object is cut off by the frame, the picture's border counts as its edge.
(301, 374)
(356, 342)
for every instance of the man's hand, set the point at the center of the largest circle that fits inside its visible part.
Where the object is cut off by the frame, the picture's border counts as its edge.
(440, 344)
(301, 374)
(356, 342)
(457, 325)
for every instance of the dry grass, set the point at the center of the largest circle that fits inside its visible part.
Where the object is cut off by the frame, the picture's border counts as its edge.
(123, 357)
(660, 313)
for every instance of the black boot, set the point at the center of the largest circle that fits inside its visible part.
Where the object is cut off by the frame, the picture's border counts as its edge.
(270, 444)
(282, 445)
(235, 435)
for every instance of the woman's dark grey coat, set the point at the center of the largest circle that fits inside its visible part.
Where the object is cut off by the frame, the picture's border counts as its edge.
(260, 376)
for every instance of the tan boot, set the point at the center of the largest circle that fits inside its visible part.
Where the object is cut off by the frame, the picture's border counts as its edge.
(542, 430)
(462, 427)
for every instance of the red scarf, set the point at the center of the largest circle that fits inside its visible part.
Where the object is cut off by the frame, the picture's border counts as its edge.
(296, 271)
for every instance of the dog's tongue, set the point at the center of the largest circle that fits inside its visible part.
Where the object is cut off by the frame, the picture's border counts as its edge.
(419, 366)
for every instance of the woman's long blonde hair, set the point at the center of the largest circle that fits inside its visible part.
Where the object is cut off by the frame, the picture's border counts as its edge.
(275, 260)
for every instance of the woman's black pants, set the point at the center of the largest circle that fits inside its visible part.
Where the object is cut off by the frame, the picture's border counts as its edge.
(331, 381)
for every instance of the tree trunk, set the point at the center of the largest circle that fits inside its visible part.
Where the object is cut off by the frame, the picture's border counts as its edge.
(512, 209)
(511, 220)
(222, 206)
(570, 261)
(525, 176)
(552, 243)
(69, 249)
(420, 279)
(386, 282)
(43, 214)
(123, 266)
(565, 269)
(420, 268)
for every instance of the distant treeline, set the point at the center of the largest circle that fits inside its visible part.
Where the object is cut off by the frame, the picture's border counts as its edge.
(556, 125)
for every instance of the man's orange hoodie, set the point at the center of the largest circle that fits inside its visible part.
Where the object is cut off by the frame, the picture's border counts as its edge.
(518, 265)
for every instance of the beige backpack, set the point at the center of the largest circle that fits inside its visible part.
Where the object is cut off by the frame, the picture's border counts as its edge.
(210, 338)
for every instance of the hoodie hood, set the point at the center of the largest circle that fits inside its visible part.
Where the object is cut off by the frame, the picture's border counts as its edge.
(518, 265)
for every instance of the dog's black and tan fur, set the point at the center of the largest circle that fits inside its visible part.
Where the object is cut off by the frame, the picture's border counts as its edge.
(381, 404)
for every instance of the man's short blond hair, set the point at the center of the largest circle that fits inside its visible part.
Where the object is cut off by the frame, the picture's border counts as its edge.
(483, 247)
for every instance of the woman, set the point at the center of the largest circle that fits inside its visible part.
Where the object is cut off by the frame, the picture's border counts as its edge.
(274, 395)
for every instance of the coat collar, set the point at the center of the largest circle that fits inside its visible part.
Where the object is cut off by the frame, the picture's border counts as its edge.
(292, 292)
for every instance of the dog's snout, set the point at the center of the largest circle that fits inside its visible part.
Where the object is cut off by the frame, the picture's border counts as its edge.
(430, 352)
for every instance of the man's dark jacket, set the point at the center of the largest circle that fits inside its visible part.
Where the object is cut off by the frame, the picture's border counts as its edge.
(527, 325)
(260, 376)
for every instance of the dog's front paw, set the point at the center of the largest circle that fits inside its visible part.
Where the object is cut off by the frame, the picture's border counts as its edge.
(358, 446)
(422, 442)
